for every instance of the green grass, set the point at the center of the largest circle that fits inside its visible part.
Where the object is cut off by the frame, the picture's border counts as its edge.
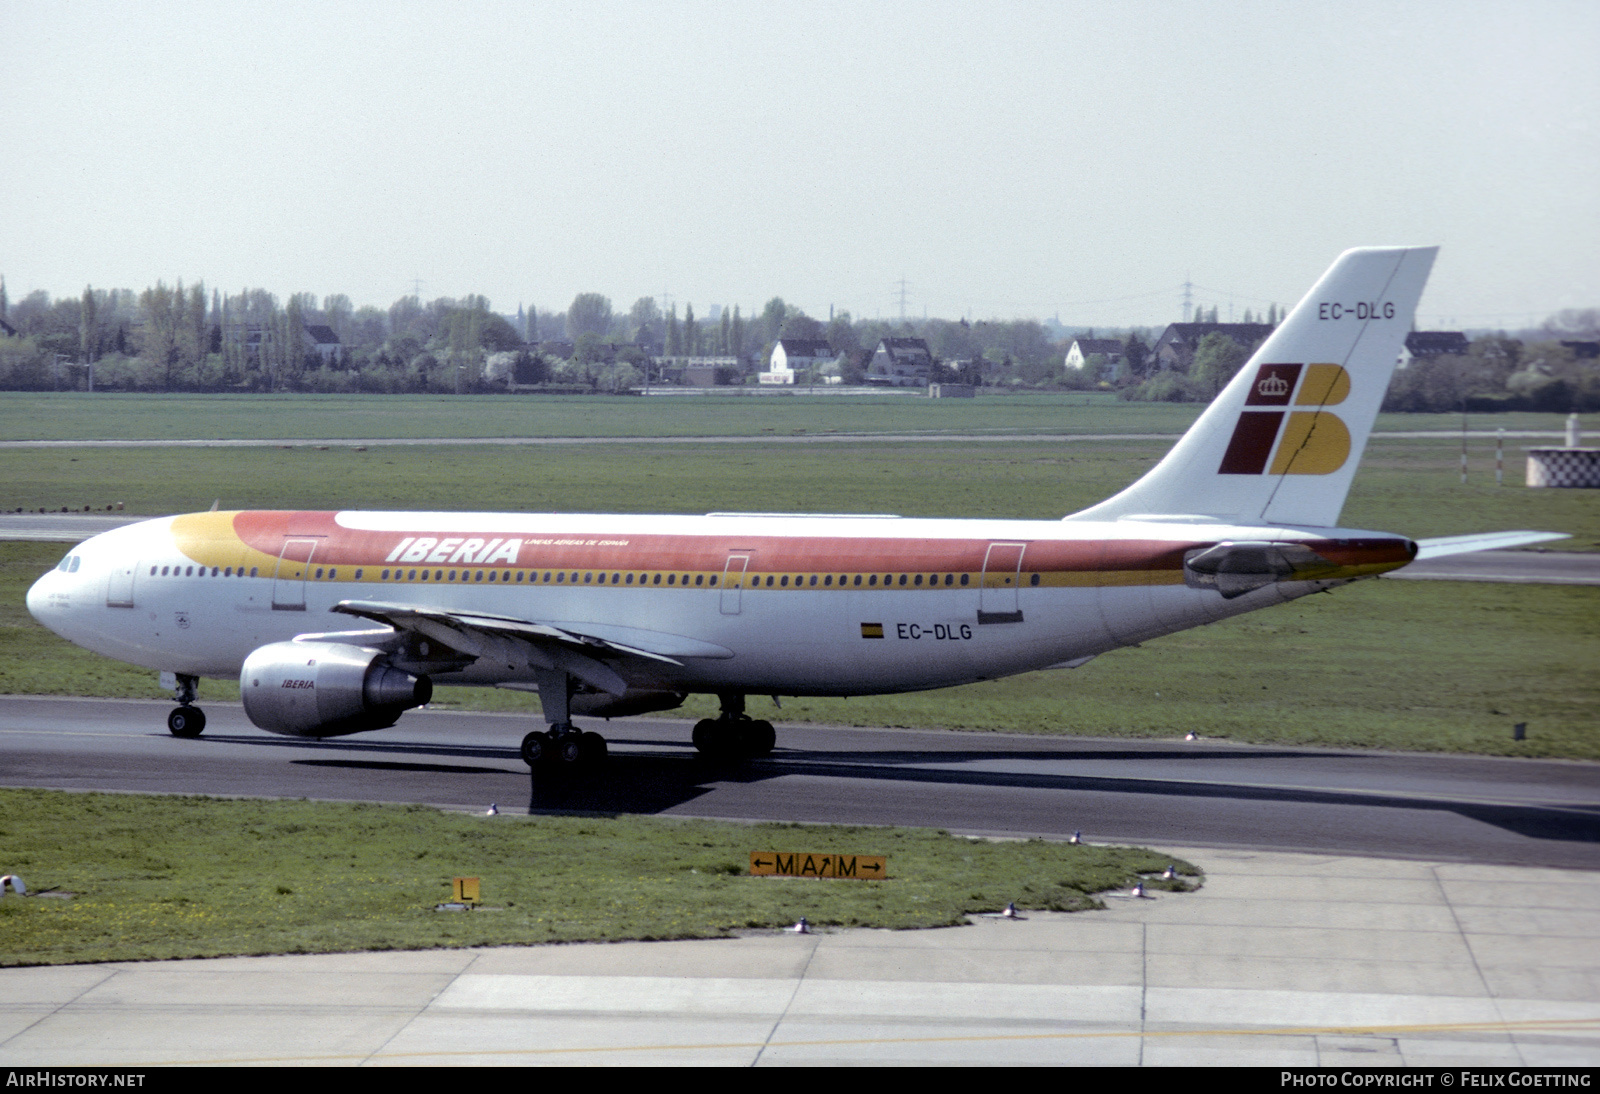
(77, 416)
(1407, 486)
(269, 877)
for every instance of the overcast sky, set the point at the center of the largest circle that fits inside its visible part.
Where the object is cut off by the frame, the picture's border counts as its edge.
(1071, 159)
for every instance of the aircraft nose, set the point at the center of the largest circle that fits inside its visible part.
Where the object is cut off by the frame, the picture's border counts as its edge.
(38, 598)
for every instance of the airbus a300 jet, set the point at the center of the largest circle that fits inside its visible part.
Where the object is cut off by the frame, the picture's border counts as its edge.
(338, 622)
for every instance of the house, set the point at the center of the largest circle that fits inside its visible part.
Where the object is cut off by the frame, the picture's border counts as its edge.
(321, 340)
(1177, 345)
(1081, 349)
(796, 355)
(1425, 344)
(900, 362)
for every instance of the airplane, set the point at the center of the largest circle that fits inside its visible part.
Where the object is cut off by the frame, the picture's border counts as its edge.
(607, 615)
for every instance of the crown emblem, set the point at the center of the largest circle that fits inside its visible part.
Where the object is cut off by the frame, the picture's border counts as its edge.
(1273, 385)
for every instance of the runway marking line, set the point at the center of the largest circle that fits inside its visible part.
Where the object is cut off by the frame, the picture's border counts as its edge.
(1535, 1026)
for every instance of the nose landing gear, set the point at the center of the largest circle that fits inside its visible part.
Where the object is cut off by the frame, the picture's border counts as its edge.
(188, 721)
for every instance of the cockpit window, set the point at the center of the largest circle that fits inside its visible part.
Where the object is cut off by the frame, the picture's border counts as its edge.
(74, 567)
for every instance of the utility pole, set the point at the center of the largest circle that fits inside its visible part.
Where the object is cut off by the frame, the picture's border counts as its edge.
(1188, 289)
(903, 286)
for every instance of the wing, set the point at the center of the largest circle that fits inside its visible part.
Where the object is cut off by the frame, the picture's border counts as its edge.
(1441, 546)
(588, 651)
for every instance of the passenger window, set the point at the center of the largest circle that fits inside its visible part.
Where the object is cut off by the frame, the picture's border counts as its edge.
(963, 579)
(255, 571)
(903, 579)
(1033, 579)
(587, 579)
(713, 579)
(358, 575)
(918, 581)
(386, 575)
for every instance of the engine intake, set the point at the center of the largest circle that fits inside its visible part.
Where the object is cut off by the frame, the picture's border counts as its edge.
(326, 689)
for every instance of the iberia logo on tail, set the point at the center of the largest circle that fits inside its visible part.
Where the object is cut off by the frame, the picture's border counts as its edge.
(1313, 441)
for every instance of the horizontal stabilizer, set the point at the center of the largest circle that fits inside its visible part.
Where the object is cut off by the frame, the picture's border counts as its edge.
(1442, 546)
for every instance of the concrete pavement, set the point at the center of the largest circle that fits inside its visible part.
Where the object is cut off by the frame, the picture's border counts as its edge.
(1281, 959)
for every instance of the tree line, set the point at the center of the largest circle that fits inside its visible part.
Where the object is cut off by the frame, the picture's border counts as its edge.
(191, 338)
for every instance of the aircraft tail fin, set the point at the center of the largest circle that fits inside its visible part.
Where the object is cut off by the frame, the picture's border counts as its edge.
(1281, 443)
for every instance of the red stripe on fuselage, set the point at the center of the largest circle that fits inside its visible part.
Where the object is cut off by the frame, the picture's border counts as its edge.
(266, 531)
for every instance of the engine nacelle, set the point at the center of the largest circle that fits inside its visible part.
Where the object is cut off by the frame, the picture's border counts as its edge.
(326, 689)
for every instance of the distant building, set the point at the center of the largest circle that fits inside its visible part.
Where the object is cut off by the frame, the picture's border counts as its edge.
(1177, 345)
(900, 362)
(792, 356)
(324, 343)
(1435, 343)
(1081, 349)
(697, 371)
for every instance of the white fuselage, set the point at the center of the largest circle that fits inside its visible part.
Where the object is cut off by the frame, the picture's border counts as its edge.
(763, 604)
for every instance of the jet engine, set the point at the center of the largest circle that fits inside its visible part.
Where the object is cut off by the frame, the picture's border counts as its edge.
(326, 689)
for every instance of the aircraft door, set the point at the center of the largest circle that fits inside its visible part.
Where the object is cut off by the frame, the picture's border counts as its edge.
(289, 579)
(119, 587)
(997, 590)
(733, 581)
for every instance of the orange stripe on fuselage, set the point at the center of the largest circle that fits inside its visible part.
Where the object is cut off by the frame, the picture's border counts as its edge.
(256, 538)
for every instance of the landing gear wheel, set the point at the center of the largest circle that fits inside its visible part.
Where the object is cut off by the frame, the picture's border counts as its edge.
(569, 748)
(759, 738)
(536, 748)
(706, 736)
(186, 722)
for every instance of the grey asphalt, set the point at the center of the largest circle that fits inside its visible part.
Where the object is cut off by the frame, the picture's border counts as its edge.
(1210, 793)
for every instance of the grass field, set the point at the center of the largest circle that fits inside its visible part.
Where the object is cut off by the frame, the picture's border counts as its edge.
(35, 416)
(264, 877)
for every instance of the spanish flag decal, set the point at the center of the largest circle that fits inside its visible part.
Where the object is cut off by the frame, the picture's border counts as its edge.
(872, 630)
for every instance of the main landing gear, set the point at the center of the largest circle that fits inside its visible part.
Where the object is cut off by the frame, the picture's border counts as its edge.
(733, 734)
(188, 720)
(563, 745)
